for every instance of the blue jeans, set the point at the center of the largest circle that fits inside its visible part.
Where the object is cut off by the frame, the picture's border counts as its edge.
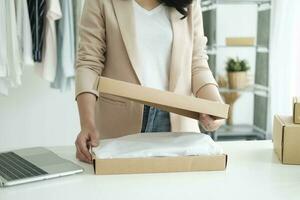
(155, 120)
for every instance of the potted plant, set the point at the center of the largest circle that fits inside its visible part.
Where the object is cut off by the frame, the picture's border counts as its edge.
(237, 73)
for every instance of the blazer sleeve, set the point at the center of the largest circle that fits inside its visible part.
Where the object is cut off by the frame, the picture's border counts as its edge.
(201, 74)
(91, 49)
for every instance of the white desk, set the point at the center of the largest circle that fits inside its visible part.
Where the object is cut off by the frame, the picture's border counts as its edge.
(253, 172)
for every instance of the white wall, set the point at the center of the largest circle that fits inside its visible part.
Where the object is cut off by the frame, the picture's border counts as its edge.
(34, 114)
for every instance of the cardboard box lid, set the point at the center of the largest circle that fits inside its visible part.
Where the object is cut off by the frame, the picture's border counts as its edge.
(286, 138)
(296, 99)
(286, 121)
(164, 100)
(296, 110)
(159, 164)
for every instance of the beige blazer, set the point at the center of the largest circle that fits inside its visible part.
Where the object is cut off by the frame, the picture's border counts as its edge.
(107, 48)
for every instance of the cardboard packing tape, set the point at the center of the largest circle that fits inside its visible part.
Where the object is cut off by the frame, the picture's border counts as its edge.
(187, 106)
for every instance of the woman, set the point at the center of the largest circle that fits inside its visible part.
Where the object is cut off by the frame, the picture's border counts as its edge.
(154, 43)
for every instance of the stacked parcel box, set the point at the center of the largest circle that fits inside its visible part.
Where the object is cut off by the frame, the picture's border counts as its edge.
(286, 135)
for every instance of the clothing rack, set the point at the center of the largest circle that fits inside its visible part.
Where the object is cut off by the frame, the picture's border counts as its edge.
(42, 34)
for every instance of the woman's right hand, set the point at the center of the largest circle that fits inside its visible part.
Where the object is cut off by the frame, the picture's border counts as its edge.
(88, 137)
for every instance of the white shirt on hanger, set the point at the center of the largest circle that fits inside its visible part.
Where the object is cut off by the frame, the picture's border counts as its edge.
(154, 37)
(13, 50)
(66, 51)
(3, 50)
(47, 69)
(24, 32)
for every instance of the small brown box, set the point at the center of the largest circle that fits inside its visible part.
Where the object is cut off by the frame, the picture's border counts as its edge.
(240, 41)
(286, 139)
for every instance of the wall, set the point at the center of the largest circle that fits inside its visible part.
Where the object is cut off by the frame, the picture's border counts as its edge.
(34, 114)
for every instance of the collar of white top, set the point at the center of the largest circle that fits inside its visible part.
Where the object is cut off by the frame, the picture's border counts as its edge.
(148, 12)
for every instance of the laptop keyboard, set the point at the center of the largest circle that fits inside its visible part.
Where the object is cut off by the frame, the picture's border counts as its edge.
(14, 167)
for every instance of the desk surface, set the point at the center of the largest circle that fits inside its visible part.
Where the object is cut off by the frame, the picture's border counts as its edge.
(253, 172)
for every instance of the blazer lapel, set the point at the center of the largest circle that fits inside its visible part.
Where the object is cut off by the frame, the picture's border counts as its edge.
(125, 16)
(177, 25)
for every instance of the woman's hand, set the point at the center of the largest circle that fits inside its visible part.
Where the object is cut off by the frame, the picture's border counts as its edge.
(86, 139)
(210, 92)
(209, 123)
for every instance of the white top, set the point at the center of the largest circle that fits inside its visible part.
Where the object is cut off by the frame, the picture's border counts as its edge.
(47, 69)
(253, 172)
(156, 145)
(10, 75)
(3, 32)
(154, 36)
(15, 40)
(24, 33)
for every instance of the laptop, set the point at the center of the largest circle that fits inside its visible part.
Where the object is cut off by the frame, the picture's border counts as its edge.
(33, 164)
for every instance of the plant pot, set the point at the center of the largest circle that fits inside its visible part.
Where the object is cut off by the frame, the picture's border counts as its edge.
(237, 80)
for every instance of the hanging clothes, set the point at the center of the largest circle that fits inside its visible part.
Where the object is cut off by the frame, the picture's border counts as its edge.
(3, 51)
(24, 32)
(66, 48)
(13, 49)
(3, 40)
(12, 71)
(47, 68)
(36, 14)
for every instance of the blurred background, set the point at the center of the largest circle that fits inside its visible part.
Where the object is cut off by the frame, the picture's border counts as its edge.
(253, 48)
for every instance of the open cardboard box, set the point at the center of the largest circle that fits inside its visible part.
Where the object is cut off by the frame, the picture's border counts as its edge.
(171, 102)
(286, 139)
(296, 110)
(159, 164)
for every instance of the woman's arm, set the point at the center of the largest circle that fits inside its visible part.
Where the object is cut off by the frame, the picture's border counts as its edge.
(89, 66)
(209, 92)
(89, 135)
(203, 83)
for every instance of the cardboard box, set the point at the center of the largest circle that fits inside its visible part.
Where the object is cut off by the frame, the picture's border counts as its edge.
(296, 110)
(159, 164)
(286, 139)
(240, 41)
(183, 105)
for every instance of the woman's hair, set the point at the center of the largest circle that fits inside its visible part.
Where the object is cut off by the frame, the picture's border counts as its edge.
(179, 5)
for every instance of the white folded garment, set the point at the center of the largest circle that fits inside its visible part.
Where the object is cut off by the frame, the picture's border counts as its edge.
(157, 144)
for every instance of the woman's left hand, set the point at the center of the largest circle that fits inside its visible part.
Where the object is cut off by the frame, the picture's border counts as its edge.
(210, 123)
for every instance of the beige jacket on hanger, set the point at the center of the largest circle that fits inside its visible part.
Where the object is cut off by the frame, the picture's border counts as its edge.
(107, 48)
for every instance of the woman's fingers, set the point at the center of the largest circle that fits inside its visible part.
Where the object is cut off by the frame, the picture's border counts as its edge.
(94, 140)
(80, 156)
(209, 123)
(205, 122)
(85, 140)
(82, 148)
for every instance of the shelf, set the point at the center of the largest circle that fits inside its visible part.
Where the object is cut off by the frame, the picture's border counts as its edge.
(249, 89)
(257, 47)
(238, 132)
(205, 3)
